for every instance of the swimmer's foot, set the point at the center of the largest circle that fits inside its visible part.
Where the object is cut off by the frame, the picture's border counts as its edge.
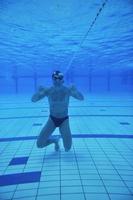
(57, 146)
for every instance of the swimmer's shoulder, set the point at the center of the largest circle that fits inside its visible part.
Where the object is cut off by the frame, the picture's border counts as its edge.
(66, 89)
(52, 88)
(49, 89)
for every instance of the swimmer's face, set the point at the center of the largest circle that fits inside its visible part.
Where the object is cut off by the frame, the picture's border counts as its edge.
(58, 81)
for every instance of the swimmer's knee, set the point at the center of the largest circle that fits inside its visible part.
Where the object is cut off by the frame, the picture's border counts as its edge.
(68, 148)
(40, 145)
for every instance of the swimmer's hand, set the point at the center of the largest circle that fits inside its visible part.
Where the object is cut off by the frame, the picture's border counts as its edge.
(41, 92)
(73, 88)
(75, 93)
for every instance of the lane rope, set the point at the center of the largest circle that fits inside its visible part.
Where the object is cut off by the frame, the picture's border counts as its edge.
(85, 36)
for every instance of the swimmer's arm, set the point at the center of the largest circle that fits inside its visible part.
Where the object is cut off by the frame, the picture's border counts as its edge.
(76, 94)
(42, 92)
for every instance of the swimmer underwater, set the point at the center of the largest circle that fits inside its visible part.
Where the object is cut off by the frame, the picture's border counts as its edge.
(58, 98)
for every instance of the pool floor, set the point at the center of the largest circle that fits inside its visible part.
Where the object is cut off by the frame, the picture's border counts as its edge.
(99, 165)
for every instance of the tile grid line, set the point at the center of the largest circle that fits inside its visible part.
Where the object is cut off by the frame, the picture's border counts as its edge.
(12, 139)
(121, 154)
(46, 107)
(41, 171)
(23, 170)
(15, 125)
(14, 153)
(7, 165)
(43, 116)
(79, 172)
(97, 169)
(5, 147)
(60, 169)
(124, 143)
(19, 129)
(128, 164)
(6, 128)
(114, 167)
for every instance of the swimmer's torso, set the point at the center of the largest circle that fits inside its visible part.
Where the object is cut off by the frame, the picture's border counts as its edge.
(58, 98)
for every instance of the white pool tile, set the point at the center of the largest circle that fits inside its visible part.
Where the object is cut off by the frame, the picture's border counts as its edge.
(95, 168)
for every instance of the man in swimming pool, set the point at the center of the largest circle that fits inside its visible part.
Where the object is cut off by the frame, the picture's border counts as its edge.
(58, 98)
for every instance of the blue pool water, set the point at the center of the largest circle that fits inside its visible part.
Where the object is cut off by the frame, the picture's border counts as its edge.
(91, 43)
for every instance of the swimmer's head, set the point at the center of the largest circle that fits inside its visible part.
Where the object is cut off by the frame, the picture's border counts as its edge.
(57, 77)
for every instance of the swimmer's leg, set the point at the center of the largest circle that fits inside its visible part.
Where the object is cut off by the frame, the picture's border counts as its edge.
(44, 136)
(66, 134)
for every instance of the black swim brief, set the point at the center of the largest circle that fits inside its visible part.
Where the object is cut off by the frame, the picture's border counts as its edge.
(58, 121)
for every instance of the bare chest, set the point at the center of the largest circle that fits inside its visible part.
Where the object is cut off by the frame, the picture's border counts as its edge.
(58, 96)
